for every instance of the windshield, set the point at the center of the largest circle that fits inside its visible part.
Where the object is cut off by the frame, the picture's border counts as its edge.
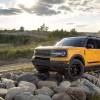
(73, 41)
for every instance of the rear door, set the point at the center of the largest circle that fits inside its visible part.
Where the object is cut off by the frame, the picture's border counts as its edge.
(93, 53)
(98, 48)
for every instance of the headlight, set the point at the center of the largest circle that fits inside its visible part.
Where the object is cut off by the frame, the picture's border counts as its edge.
(58, 53)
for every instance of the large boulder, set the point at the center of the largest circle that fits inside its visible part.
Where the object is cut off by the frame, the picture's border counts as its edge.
(80, 84)
(91, 87)
(1, 98)
(92, 79)
(6, 75)
(58, 89)
(2, 85)
(50, 84)
(25, 96)
(28, 86)
(8, 83)
(3, 92)
(29, 77)
(76, 92)
(77, 82)
(45, 91)
(12, 92)
(29, 96)
(43, 97)
(65, 84)
(9, 75)
(14, 76)
(62, 87)
(87, 86)
(62, 96)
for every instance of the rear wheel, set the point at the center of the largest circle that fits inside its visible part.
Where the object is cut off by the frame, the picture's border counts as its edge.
(74, 70)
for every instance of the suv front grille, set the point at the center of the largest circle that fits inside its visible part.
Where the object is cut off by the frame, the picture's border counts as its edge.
(42, 53)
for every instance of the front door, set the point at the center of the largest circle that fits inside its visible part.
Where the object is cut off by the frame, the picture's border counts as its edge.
(92, 52)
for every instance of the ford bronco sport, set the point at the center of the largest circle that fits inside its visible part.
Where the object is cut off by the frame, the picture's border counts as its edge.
(70, 57)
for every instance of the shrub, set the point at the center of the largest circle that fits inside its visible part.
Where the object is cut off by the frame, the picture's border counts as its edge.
(15, 39)
(62, 34)
(15, 53)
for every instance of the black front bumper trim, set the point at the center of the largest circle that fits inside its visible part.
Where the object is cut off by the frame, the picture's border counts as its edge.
(57, 66)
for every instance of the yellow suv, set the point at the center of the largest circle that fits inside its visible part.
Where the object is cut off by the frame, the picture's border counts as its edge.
(70, 57)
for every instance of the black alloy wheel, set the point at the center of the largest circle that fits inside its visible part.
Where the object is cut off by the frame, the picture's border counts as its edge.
(74, 70)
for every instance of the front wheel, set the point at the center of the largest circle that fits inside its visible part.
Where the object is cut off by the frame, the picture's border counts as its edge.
(42, 69)
(43, 72)
(74, 70)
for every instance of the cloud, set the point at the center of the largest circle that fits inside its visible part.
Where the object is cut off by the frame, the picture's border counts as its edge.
(8, 3)
(88, 9)
(40, 9)
(71, 23)
(52, 1)
(74, 2)
(76, 24)
(44, 7)
(25, 8)
(79, 2)
(82, 6)
(9, 7)
(50, 7)
(63, 7)
(10, 11)
(81, 25)
(4, 1)
(84, 2)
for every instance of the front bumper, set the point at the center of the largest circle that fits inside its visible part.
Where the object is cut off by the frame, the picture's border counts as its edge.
(47, 64)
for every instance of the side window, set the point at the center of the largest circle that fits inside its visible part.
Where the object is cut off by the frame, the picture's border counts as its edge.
(91, 43)
(98, 43)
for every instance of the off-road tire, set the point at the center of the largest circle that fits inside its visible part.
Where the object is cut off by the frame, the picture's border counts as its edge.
(42, 70)
(74, 70)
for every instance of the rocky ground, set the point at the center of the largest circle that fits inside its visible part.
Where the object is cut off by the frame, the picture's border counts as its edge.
(35, 86)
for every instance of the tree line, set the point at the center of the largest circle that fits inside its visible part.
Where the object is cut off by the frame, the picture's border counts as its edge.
(42, 28)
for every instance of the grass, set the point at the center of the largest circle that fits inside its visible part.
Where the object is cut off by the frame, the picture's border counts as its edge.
(25, 51)
(15, 53)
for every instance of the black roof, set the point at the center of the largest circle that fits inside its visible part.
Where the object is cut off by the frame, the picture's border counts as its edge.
(86, 36)
(89, 36)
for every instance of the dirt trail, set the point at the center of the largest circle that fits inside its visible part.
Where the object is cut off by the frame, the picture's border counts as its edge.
(15, 66)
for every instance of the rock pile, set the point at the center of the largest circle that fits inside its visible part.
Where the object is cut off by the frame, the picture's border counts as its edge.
(29, 86)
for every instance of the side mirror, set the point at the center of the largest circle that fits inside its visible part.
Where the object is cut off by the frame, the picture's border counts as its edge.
(90, 46)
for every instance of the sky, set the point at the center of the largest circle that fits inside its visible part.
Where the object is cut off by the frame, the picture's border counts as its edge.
(83, 15)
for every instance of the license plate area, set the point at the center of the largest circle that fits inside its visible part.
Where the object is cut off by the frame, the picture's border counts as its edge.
(42, 61)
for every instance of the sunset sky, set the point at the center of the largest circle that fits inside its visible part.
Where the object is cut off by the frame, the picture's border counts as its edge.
(84, 15)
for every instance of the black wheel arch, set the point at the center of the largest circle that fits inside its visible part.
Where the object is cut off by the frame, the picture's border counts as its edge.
(79, 57)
